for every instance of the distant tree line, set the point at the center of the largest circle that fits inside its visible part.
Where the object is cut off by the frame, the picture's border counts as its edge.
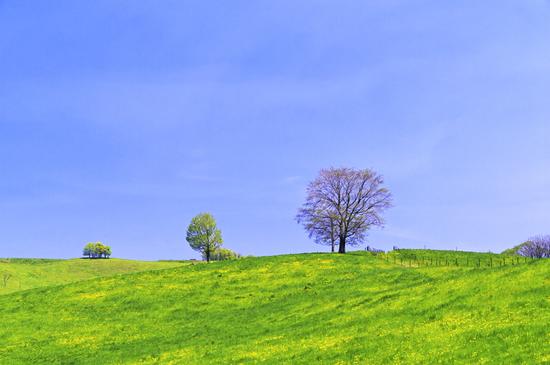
(97, 250)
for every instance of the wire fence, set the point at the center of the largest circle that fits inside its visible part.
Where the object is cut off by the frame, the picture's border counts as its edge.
(422, 261)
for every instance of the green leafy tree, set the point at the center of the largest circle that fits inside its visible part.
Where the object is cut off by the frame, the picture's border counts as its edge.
(103, 250)
(107, 251)
(89, 250)
(203, 235)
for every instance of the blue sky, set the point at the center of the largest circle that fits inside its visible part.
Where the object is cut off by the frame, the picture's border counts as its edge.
(121, 120)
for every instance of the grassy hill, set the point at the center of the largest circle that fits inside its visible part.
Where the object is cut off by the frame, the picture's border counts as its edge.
(32, 273)
(311, 308)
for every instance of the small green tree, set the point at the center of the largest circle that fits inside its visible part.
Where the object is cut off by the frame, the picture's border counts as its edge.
(89, 250)
(203, 235)
(107, 251)
(103, 250)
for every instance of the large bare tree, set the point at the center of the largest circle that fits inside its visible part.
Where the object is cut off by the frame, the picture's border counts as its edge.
(343, 204)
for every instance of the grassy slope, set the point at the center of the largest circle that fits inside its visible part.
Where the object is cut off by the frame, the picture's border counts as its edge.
(33, 273)
(287, 309)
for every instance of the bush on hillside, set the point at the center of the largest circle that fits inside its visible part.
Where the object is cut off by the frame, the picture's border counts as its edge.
(222, 254)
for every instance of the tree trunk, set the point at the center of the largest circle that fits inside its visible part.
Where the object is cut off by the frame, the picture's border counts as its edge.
(332, 234)
(342, 245)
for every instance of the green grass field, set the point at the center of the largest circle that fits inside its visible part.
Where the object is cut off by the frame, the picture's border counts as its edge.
(310, 308)
(33, 273)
